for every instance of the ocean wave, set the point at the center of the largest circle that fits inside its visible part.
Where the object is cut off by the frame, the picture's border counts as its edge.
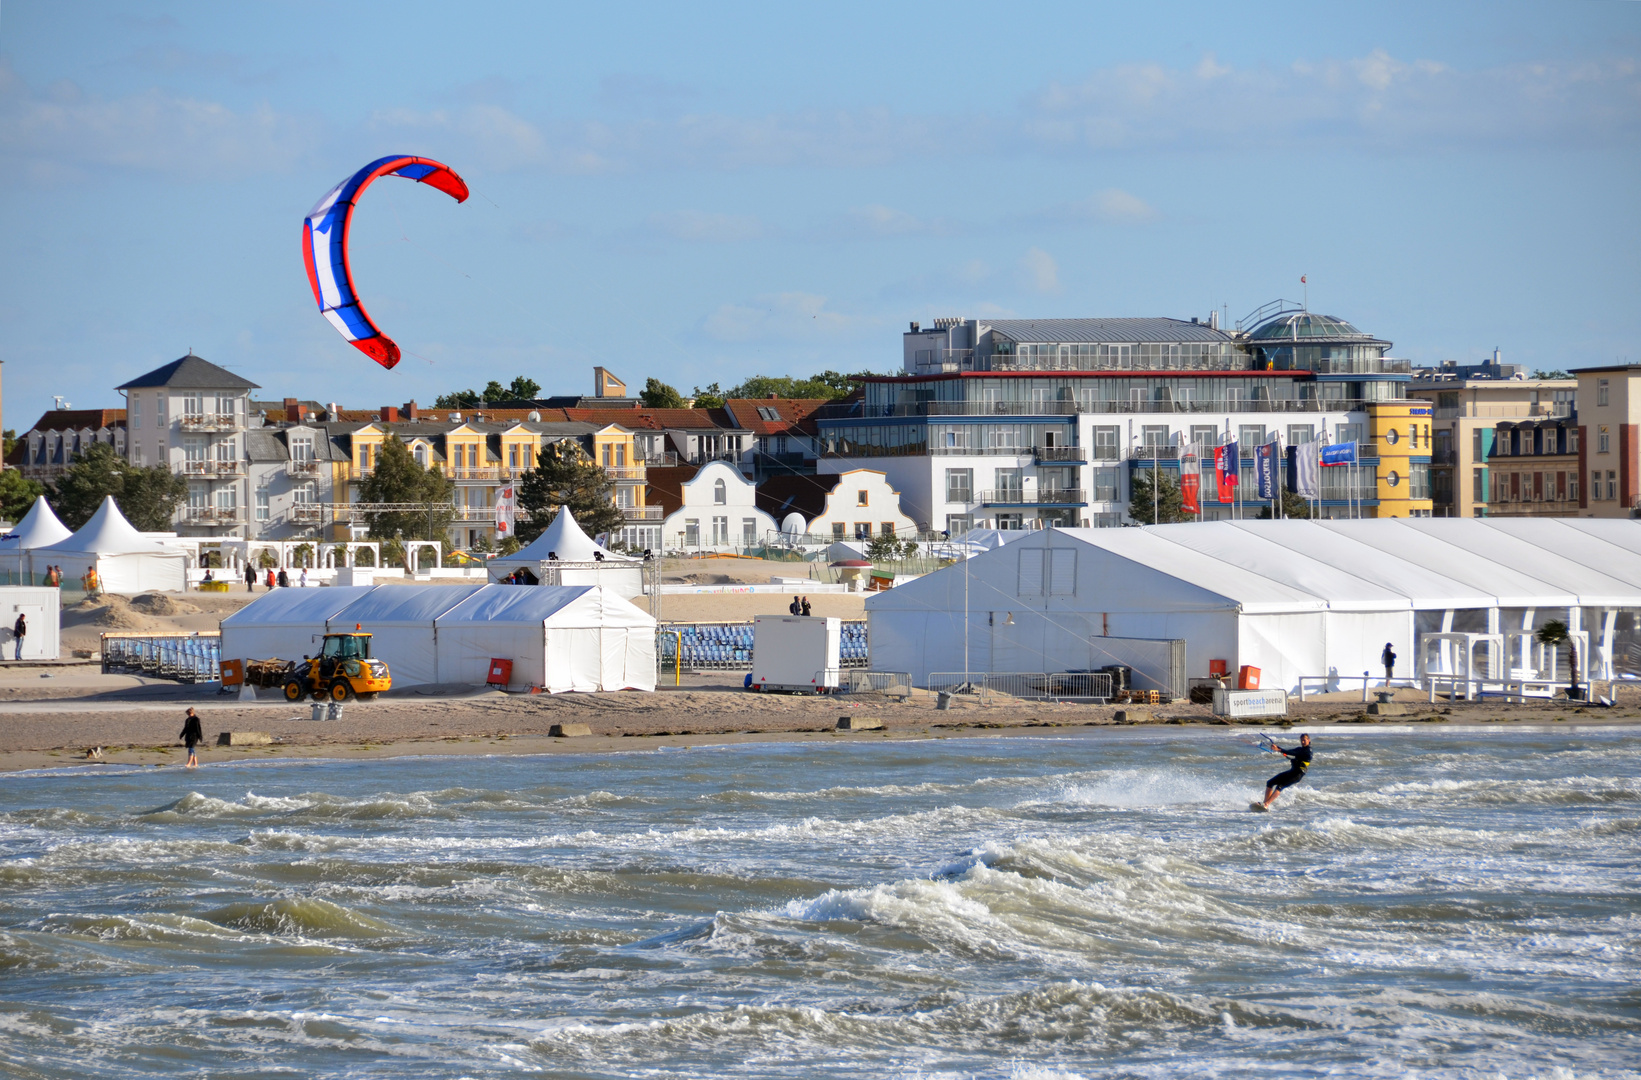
(301, 917)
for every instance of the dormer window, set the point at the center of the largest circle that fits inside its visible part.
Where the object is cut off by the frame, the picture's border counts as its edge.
(767, 413)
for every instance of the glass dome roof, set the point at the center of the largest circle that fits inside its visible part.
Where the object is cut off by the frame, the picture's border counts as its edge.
(1308, 326)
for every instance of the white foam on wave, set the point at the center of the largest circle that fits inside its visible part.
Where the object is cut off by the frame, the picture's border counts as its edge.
(1144, 788)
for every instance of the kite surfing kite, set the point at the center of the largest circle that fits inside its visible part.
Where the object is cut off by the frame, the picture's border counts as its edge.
(325, 248)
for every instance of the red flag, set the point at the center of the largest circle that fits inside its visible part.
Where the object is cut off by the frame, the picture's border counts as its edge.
(1225, 472)
(1190, 480)
(1301, 279)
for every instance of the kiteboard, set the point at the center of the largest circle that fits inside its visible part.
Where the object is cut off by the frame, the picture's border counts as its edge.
(1259, 808)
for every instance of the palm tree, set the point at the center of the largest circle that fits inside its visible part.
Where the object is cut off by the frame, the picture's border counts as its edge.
(1554, 634)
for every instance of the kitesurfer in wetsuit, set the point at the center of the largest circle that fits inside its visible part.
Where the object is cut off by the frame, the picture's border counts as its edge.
(1301, 758)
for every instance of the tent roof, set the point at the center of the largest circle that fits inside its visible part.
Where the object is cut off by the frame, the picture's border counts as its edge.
(1606, 544)
(534, 605)
(38, 528)
(565, 537)
(1507, 582)
(108, 533)
(1425, 589)
(386, 605)
(1286, 566)
(295, 607)
(1226, 577)
(1549, 562)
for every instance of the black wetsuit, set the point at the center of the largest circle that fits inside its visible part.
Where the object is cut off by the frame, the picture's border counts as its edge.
(1301, 757)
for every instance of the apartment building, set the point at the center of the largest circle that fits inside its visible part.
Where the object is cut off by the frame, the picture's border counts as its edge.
(192, 416)
(1466, 416)
(782, 437)
(1016, 423)
(1609, 412)
(45, 451)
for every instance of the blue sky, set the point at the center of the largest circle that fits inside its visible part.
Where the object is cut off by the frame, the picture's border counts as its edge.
(706, 193)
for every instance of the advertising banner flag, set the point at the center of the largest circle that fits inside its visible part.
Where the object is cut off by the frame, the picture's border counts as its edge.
(506, 511)
(1227, 469)
(1190, 479)
(1265, 469)
(1304, 470)
(1343, 453)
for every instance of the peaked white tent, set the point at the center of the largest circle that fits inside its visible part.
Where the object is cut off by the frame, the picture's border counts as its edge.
(1293, 598)
(559, 637)
(126, 561)
(39, 528)
(563, 541)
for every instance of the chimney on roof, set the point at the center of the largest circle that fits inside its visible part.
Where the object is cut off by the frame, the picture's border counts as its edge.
(773, 397)
(914, 326)
(412, 412)
(293, 410)
(390, 415)
(1213, 319)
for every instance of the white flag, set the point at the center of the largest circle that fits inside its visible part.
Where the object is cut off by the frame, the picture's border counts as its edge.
(506, 510)
(1307, 469)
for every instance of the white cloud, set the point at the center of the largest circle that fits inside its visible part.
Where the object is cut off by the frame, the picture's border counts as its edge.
(782, 316)
(698, 226)
(1041, 271)
(881, 220)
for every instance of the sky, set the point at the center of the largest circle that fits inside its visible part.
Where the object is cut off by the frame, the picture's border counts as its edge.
(703, 192)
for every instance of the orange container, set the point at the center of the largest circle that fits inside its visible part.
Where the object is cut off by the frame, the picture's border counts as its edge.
(1217, 668)
(501, 672)
(1250, 678)
(233, 673)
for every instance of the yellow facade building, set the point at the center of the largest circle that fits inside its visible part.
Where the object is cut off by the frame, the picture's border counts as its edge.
(1399, 434)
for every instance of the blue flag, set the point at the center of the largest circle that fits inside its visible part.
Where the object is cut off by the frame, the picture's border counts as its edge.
(1343, 453)
(1265, 469)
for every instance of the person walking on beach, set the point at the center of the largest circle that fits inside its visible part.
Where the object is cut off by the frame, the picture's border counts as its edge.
(795, 607)
(1301, 758)
(250, 578)
(284, 580)
(192, 736)
(19, 630)
(806, 605)
(1388, 659)
(90, 581)
(302, 582)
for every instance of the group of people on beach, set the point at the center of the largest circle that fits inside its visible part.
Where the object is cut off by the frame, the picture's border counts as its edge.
(88, 581)
(799, 605)
(280, 580)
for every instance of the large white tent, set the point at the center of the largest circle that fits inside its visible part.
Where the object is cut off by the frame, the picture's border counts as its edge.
(564, 542)
(39, 528)
(1292, 598)
(126, 561)
(559, 637)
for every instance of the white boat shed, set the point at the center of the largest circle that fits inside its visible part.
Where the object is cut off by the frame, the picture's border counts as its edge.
(1292, 598)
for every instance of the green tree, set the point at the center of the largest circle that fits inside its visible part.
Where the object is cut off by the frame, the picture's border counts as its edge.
(710, 398)
(17, 495)
(1293, 506)
(1167, 508)
(565, 476)
(148, 497)
(1555, 634)
(658, 395)
(523, 389)
(397, 478)
(459, 399)
(828, 384)
(9, 439)
(1540, 373)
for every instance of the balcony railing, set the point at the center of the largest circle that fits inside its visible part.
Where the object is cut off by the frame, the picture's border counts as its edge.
(303, 467)
(211, 515)
(635, 514)
(488, 472)
(1069, 362)
(1039, 497)
(1379, 366)
(1072, 408)
(615, 472)
(209, 422)
(1151, 452)
(1071, 455)
(308, 512)
(1550, 409)
(198, 467)
(1441, 456)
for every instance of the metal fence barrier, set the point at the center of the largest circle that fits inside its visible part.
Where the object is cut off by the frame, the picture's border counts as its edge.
(895, 684)
(189, 658)
(728, 646)
(1024, 685)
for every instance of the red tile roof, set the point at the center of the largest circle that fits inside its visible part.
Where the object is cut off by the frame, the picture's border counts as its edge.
(78, 419)
(796, 414)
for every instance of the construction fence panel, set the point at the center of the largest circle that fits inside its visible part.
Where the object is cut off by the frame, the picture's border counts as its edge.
(895, 684)
(991, 686)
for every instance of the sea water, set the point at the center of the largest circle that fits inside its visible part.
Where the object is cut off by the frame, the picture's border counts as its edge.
(1443, 903)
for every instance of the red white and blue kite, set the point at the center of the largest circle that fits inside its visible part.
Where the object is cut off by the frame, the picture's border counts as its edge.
(325, 248)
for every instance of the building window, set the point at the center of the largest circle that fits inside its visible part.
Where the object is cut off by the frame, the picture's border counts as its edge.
(1572, 487)
(420, 453)
(193, 404)
(886, 528)
(226, 407)
(1300, 433)
(159, 412)
(1349, 433)
(136, 411)
(305, 494)
(1478, 486)
(1105, 485)
(692, 532)
(623, 497)
(1418, 481)
(262, 508)
(1154, 435)
(1204, 434)
(1106, 442)
(1603, 444)
(1572, 440)
(959, 485)
(1595, 483)
(958, 524)
(863, 530)
(228, 499)
(1612, 484)
(1009, 485)
(1476, 451)
(860, 498)
(837, 530)
(749, 532)
(1601, 391)
(1249, 436)
(720, 493)
(720, 532)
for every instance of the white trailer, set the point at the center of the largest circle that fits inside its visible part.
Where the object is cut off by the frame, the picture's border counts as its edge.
(42, 610)
(796, 653)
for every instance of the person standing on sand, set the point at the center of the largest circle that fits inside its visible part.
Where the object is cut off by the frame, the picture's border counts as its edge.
(192, 736)
(1388, 659)
(806, 605)
(19, 631)
(302, 582)
(250, 578)
(90, 581)
(795, 607)
(284, 580)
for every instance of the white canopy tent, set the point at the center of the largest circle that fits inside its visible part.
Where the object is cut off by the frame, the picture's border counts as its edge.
(559, 637)
(282, 622)
(1293, 598)
(126, 561)
(564, 542)
(39, 528)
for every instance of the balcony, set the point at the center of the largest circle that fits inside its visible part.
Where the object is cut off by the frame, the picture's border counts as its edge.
(1073, 362)
(637, 514)
(1040, 497)
(475, 514)
(1380, 366)
(208, 467)
(212, 515)
(209, 422)
(1150, 452)
(308, 512)
(1064, 455)
(942, 361)
(306, 467)
(616, 472)
(1524, 411)
(1444, 456)
(487, 474)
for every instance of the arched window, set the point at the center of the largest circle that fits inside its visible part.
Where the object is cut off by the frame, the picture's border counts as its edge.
(720, 493)
(421, 454)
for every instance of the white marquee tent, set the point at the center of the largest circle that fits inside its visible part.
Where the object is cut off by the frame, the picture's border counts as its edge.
(558, 637)
(39, 528)
(126, 561)
(566, 543)
(1293, 598)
